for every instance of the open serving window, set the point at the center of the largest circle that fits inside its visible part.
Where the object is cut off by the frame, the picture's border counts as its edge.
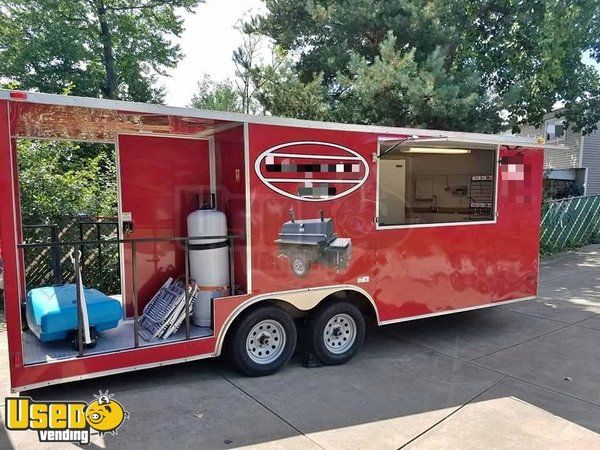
(435, 181)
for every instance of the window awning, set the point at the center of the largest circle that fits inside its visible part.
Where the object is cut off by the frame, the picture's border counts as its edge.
(470, 142)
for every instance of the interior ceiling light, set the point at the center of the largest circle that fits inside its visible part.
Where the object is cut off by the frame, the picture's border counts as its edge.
(437, 151)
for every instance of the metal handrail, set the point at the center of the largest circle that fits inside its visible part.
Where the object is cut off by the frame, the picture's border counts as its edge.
(556, 200)
(126, 241)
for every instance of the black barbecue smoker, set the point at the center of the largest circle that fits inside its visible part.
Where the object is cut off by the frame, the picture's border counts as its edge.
(307, 241)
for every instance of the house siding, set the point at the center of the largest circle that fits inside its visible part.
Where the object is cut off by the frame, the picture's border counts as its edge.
(591, 160)
(559, 159)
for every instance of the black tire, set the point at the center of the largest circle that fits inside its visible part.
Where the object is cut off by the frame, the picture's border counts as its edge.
(299, 264)
(245, 359)
(346, 316)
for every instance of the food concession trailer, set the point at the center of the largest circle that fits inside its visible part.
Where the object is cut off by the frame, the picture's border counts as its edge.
(318, 225)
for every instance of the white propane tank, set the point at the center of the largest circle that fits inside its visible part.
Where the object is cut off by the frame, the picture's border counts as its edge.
(209, 261)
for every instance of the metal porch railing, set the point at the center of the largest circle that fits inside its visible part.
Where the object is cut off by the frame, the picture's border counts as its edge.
(51, 265)
(131, 245)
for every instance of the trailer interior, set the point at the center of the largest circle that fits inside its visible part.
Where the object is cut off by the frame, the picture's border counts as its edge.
(167, 167)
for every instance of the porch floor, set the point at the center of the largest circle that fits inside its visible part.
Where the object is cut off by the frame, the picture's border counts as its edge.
(119, 338)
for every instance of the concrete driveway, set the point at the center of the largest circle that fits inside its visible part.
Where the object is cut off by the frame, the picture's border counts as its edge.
(525, 375)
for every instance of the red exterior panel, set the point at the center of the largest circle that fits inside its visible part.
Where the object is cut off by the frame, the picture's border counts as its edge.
(353, 214)
(10, 236)
(414, 270)
(516, 248)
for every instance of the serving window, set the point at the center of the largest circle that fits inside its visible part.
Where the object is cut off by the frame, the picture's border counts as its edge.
(435, 184)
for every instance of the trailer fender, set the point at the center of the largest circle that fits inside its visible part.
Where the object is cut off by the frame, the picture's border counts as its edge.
(302, 299)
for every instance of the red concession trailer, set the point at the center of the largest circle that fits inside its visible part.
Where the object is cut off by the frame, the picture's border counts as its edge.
(326, 224)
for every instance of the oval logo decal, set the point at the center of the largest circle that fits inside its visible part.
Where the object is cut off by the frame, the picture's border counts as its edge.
(312, 171)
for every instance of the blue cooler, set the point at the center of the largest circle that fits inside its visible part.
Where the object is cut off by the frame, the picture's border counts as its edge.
(52, 311)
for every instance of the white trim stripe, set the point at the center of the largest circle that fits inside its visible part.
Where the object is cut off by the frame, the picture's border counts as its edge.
(452, 311)
(432, 225)
(88, 102)
(312, 180)
(489, 142)
(104, 373)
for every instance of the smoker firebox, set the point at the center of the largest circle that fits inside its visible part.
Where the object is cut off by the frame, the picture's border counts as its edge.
(308, 241)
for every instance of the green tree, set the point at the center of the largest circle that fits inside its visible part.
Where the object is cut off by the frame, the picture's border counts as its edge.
(58, 180)
(324, 32)
(530, 54)
(97, 48)
(281, 92)
(492, 56)
(246, 59)
(238, 95)
(218, 96)
(396, 90)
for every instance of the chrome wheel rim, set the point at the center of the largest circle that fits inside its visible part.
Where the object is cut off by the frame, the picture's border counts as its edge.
(266, 341)
(339, 334)
(299, 266)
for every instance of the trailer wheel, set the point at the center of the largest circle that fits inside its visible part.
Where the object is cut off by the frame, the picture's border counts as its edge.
(335, 332)
(263, 342)
(299, 264)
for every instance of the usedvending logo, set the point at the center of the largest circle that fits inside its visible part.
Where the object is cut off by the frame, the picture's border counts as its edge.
(65, 421)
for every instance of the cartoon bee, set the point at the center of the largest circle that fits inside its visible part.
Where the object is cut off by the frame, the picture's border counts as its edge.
(105, 414)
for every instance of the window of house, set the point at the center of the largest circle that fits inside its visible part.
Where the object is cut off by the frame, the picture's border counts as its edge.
(418, 185)
(555, 130)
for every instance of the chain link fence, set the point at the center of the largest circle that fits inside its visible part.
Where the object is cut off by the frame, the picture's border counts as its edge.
(570, 223)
